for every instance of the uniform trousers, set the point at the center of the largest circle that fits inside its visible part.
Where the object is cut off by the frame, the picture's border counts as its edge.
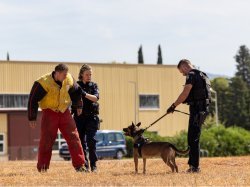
(87, 127)
(198, 113)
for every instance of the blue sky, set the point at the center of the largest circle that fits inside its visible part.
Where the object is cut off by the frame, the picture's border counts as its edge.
(208, 32)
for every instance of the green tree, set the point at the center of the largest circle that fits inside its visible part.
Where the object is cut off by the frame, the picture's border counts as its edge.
(243, 64)
(140, 56)
(243, 71)
(238, 103)
(221, 86)
(159, 60)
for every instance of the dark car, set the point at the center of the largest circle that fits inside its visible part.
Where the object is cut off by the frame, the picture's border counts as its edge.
(110, 143)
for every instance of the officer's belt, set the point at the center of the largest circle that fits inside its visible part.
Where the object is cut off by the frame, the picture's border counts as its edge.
(89, 113)
(199, 102)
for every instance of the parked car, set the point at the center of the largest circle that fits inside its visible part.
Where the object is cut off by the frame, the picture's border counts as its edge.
(110, 143)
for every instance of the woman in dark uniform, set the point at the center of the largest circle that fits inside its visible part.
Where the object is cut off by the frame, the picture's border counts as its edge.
(88, 122)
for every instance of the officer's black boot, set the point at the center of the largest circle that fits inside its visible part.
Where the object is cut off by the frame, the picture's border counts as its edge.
(86, 165)
(93, 168)
(193, 169)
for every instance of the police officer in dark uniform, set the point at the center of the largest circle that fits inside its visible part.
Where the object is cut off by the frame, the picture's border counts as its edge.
(197, 95)
(88, 122)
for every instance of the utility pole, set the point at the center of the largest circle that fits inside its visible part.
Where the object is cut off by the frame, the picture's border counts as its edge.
(135, 107)
(216, 106)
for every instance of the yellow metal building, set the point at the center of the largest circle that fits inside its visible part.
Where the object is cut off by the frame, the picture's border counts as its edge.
(125, 90)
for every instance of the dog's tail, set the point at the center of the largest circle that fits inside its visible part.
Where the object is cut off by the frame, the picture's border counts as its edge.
(179, 152)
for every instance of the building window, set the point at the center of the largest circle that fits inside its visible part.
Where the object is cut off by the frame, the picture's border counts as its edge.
(58, 142)
(14, 100)
(2, 146)
(149, 101)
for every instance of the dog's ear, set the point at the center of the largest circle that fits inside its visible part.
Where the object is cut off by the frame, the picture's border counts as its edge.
(138, 124)
(133, 123)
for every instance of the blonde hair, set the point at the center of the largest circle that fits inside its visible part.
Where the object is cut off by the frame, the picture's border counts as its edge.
(85, 67)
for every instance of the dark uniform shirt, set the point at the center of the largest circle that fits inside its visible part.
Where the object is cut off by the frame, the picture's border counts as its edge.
(200, 83)
(90, 107)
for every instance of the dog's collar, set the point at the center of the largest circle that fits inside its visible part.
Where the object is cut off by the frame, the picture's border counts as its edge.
(138, 137)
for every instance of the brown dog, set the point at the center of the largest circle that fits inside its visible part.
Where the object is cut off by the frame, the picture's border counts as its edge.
(147, 149)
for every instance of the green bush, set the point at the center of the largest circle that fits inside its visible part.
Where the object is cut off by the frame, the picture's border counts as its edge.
(218, 140)
(180, 140)
(223, 141)
(129, 146)
(208, 142)
(154, 137)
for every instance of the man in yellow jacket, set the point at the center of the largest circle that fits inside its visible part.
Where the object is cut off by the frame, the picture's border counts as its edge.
(54, 93)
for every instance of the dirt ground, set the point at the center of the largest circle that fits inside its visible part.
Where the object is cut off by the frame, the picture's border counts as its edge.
(228, 171)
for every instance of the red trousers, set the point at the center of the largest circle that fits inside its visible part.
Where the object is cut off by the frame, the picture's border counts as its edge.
(51, 122)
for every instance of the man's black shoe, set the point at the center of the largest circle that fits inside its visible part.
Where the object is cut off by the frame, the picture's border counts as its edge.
(82, 169)
(193, 170)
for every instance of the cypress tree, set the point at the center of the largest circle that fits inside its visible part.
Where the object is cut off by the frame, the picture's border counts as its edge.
(140, 56)
(159, 60)
(8, 56)
(243, 64)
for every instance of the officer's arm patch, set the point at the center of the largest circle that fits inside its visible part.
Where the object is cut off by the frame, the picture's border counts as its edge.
(190, 78)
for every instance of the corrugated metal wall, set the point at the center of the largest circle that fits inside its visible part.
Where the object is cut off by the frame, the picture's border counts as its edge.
(118, 84)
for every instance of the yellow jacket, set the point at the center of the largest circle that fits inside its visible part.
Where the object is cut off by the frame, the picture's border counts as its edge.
(56, 99)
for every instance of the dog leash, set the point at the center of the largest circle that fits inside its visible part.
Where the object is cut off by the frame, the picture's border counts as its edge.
(163, 117)
(182, 112)
(155, 121)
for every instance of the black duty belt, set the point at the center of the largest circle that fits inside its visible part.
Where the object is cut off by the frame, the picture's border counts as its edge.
(89, 113)
(200, 102)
